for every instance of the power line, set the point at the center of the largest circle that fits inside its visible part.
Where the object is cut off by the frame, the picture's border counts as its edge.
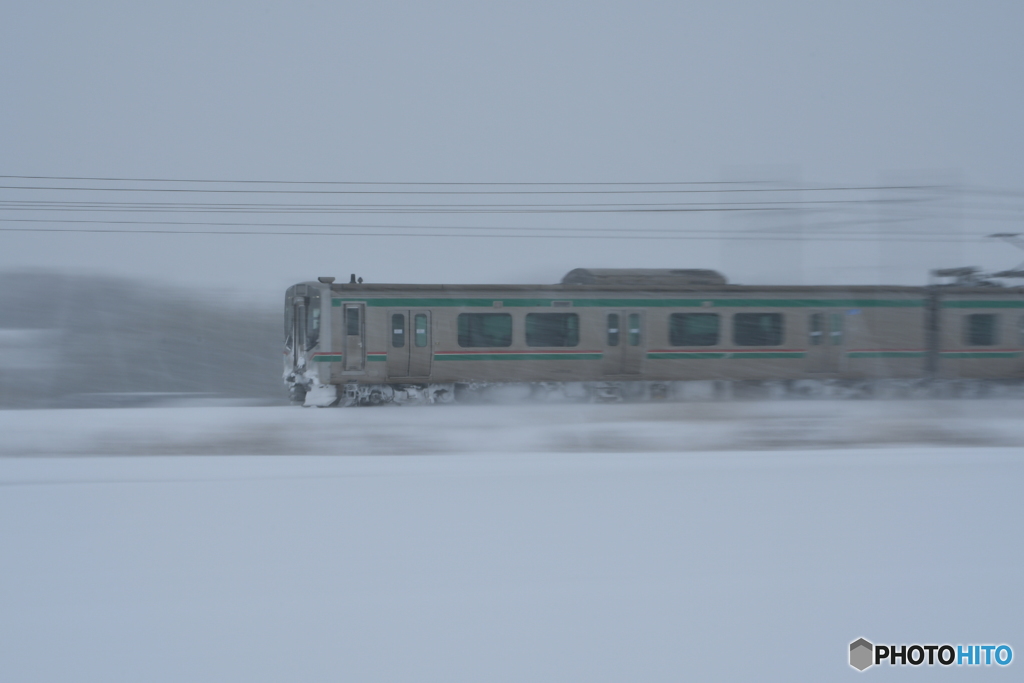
(82, 202)
(322, 225)
(58, 205)
(469, 192)
(919, 210)
(717, 237)
(798, 235)
(374, 182)
(383, 211)
(799, 229)
(919, 206)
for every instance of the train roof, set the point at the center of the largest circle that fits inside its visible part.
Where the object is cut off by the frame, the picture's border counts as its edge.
(652, 288)
(655, 281)
(644, 276)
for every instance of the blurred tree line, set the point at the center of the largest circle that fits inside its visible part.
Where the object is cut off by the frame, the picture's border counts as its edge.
(69, 341)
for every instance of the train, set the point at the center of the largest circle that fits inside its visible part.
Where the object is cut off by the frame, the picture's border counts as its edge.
(651, 334)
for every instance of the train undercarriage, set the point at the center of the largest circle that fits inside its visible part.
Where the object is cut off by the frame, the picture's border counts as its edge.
(354, 394)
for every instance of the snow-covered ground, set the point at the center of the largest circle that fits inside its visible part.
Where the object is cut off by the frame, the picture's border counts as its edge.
(527, 428)
(598, 543)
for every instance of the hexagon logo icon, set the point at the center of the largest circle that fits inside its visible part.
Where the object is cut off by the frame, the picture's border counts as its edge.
(861, 654)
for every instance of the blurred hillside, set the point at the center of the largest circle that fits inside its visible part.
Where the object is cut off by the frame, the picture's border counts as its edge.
(87, 341)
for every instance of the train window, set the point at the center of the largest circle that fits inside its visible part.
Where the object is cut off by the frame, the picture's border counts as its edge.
(757, 329)
(421, 329)
(398, 330)
(552, 329)
(835, 330)
(485, 329)
(352, 321)
(613, 329)
(634, 329)
(693, 329)
(980, 329)
(814, 325)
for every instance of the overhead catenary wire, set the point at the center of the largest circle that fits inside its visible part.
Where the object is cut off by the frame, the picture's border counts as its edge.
(468, 192)
(505, 232)
(377, 182)
(907, 202)
(169, 207)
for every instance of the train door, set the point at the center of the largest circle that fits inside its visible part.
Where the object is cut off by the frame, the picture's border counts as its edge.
(421, 349)
(410, 351)
(625, 344)
(354, 323)
(398, 349)
(824, 341)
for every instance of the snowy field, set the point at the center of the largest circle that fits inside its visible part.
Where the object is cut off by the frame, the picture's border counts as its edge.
(740, 541)
(476, 430)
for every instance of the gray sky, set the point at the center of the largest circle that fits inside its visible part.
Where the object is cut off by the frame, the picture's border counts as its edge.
(810, 94)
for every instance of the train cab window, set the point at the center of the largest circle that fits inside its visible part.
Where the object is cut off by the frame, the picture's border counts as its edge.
(398, 330)
(302, 316)
(815, 321)
(634, 329)
(980, 329)
(613, 329)
(757, 329)
(835, 329)
(552, 329)
(352, 321)
(485, 329)
(420, 325)
(693, 329)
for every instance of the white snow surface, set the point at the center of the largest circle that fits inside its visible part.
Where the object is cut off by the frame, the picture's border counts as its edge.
(420, 430)
(596, 543)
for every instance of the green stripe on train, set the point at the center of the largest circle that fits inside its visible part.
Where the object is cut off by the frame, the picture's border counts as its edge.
(713, 355)
(327, 359)
(766, 354)
(518, 356)
(980, 354)
(886, 354)
(983, 304)
(640, 303)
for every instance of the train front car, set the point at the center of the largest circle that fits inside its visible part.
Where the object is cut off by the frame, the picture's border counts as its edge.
(305, 338)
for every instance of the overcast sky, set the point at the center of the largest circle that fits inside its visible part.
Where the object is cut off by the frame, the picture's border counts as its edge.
(807, 94)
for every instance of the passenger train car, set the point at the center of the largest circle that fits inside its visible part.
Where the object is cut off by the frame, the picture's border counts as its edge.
(613, 334)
